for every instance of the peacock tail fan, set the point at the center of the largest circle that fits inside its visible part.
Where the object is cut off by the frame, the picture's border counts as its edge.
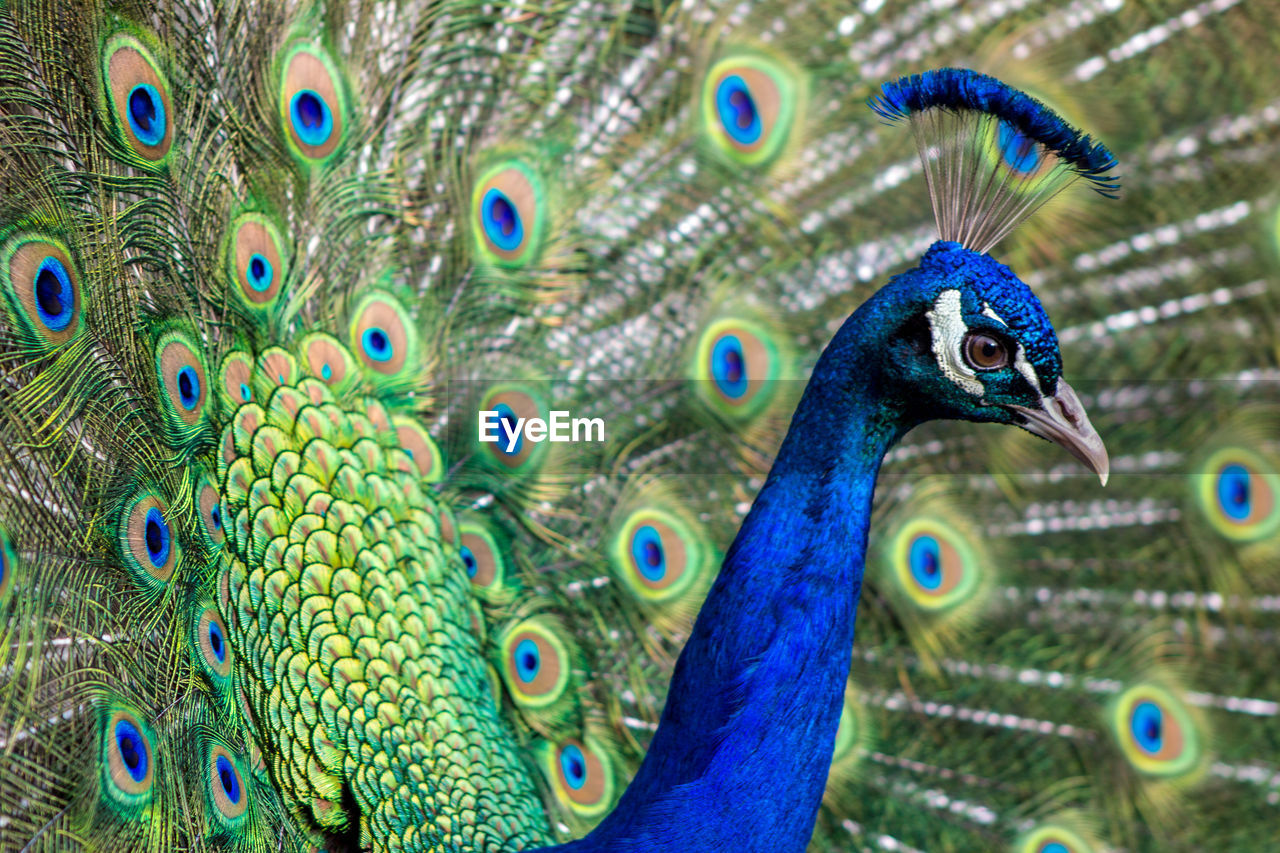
(262, 265)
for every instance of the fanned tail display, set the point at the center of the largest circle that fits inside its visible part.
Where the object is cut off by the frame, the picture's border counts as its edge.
(264, 267)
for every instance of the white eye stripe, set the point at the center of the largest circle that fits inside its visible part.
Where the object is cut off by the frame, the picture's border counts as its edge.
(946, 322)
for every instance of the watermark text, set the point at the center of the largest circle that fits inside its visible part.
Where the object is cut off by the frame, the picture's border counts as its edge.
(560, 427)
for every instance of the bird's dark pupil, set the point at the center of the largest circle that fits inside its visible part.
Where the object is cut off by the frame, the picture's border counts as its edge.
(215, 641)
(216, 515)
(256, 268)
(1240, 491)
(129, 752)
(1153, 729)
(575, 768)
(378, 341)
(155, 537)
(184, 386)
(228, 780)
(142, 108)
(930, 563)
(49, 292)
(733, 361)
(989, 349)
(469, 560)
(652, 554)
(510, 421)
(505, 215)
(529, 661)
(744, 107)
(310, 110)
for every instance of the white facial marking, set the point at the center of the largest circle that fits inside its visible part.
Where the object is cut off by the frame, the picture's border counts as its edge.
(1020, 362)
(948, 328)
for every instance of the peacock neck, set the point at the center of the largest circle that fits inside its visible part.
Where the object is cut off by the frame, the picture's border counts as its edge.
(741, 755)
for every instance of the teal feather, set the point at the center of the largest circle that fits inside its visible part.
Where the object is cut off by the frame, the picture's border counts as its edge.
(994, 721)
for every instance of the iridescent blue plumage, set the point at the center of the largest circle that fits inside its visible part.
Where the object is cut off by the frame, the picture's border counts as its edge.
(926, 562)
(260, 273)
(738, 111)
(158, 537)
(311, 117)
(757, 693)
(129, 742)
(146, 114)
(988, 286)
(54, 297)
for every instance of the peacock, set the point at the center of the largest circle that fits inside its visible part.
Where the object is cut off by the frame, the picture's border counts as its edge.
(265, 585)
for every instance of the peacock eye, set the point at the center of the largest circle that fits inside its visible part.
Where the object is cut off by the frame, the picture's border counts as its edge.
(984, 352)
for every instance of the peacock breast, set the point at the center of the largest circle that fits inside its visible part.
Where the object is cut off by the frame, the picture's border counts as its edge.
(359, 661)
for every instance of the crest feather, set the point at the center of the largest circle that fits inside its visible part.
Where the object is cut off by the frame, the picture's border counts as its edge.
(992, 154)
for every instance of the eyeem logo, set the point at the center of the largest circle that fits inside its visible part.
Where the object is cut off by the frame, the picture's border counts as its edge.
(502, 424)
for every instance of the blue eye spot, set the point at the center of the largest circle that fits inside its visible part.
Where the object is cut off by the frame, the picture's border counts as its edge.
(157, 537)
(188, 388)
(574, 766)
(312, 120)
(1147, 725)
(528, 660)
(1020, 152)
(228, 778)
(925, 559)
(260, 273)
(217, 643)
(469, 560)
(55, 300)
(146, 114)
(1234, 492)
(326, 372)
(647, 553)
(133, 750)
(215, 517)
(376, 344)
(728, 366)
(737, 111)
(501, 221)
(245, 394)
(508, 417)
(1054, 847)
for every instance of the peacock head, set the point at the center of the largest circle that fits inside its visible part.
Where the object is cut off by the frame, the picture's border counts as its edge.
(972, 342)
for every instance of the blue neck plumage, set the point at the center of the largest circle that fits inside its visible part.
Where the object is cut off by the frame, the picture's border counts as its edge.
(741, 755)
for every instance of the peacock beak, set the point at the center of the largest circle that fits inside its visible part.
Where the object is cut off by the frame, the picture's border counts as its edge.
(1062, 420)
